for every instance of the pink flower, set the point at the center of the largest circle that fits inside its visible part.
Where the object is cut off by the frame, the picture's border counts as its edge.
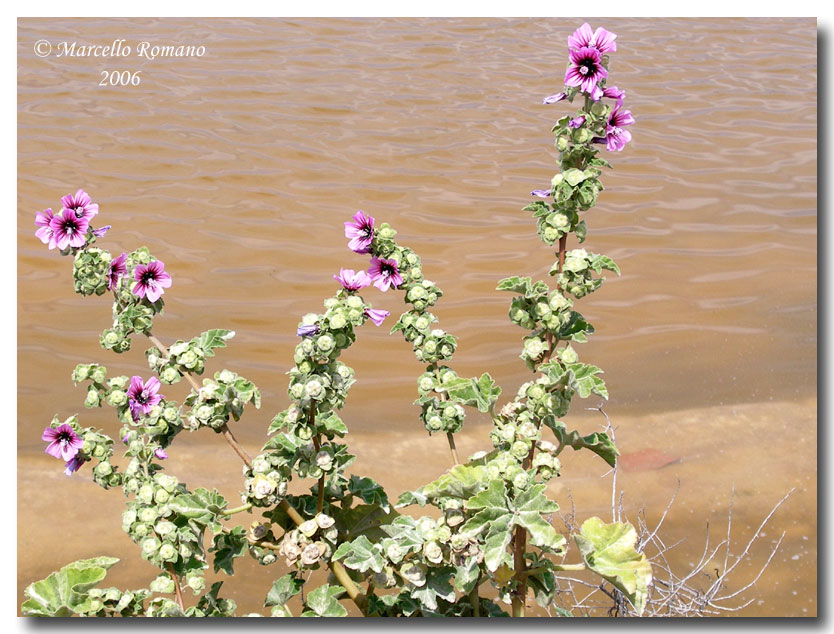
(151, 280)
(68, 230)
(80, 204)
(376, 316)
(385, 273)
(601, 40)
(586, 70)
(63, 442)
(141, 396)
(117, 269)
(351, 280)
(361, 232)
(45, 233)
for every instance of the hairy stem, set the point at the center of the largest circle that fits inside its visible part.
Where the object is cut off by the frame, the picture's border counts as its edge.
(449, 435)
(475, 600)
(520, 538)
(225, 431)
(177, 587)
(239, 509)
(317, 446)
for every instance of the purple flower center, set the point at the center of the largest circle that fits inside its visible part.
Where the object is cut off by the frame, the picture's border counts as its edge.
(148, 276)
(64, 437)
(143, 397)
(70, 226)
(587, 66)
(386, 269)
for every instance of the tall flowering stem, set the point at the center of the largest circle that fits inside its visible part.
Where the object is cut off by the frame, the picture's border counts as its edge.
(572, 192)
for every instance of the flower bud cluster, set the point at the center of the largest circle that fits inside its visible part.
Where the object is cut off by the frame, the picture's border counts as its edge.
(550, 309)
(441, 416)
(325, 385)
(219, 399)
(90, 271)
(113, 601)
(311, 543)
(184, 357)
(99, 446)
(151, 522)
(265, 483)
(576, 276)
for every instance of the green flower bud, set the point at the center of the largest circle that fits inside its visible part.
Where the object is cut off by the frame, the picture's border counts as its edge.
(313, 389)
(354, 301)
(103, 469)
(169, 375)
(150, 545)
(116, 398)
(167, 552)
(196, 582)
(337, 321)
(562, 143)
(93, 399)
(325, 343)
(146, 493)
(163, 584)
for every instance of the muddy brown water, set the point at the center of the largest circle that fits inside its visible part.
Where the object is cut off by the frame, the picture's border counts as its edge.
(238, 168)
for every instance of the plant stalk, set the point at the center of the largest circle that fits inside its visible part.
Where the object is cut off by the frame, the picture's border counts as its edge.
(239, 509)
(520, 538)
(225, 431)
(177, 587)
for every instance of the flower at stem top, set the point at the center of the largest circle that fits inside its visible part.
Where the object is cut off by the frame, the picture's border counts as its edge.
(100, 232)
(361, 232)
(384, 273)
(376, 316)
(612, 92)
(141, 396)
(601, 40)
(586, 70)
(68, 229)
(45, 232)
(160, 453)
(63, 442)
(541, 193)
(117, 269)
(80, 204)
(151, 280)
(352, 280)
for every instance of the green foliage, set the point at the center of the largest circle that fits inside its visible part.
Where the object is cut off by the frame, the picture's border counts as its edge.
(324, 601)
(64, 593)
(283, 589)
(608, 550)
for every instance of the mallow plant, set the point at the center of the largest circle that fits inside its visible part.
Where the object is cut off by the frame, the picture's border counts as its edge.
(487, 548)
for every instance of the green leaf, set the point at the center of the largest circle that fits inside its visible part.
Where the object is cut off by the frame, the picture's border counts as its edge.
(467, 575)
(608, 550)
(599, 262)
(228, 546)
(202, 505)
(438, 584)
(598, 442)
(461, 481)
(66, 589)
(574, 176)
(365, 519)
(360, 555)
(323, 601)
(585, 380)
(515, 284)
(283, 590)
(530, 504)
(212, 339)
(332, 425)
(481, 393)
(403, 530)
(369, 490)
(577, 329)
